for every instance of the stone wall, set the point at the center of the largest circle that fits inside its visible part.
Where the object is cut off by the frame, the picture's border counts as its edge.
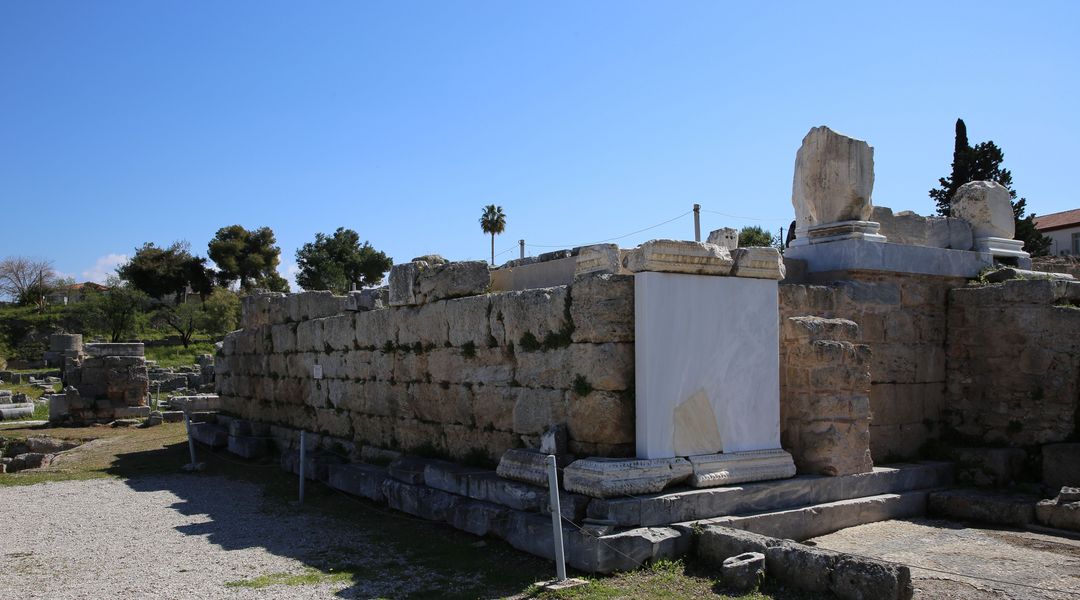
(1014, 362)
(467, 377)
(902, 318)
(825, 396)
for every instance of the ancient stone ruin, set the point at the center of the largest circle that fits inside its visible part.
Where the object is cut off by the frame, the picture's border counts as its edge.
(680, 384)
(102, 383)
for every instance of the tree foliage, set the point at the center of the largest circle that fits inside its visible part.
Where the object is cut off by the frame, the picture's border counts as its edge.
(163, 272)
(117, 312)
(982, 162)
(248, 256)
(337, 261)
(221, 312)
(27, 281)
(493, 222)
(754, 235)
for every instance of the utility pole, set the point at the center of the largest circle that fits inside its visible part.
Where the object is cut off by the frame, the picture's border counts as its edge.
(697, 222)
(521, 246)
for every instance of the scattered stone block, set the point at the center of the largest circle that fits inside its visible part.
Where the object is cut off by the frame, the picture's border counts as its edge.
(906, 227)
(857, 578)
(987, 206)
(727, 237)
(609, 477)
(744, 572)
(759, 263)
(211, 434)
(717, 543)
(527, 465)
(363, 300)
(1062, 512)
(799, 566)
(453, 280)
(710, 470)
(679, 256)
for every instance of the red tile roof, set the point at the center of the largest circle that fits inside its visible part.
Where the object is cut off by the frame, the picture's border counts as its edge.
(1069, 218)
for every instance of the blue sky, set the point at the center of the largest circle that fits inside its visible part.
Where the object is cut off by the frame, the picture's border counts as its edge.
(127, 122)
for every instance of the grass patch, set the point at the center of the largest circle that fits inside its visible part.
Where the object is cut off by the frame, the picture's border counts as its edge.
(32, 392)
(178, 356)
(310, 576)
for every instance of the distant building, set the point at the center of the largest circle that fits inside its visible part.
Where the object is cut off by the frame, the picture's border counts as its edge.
(73, 294)
(1063, 229)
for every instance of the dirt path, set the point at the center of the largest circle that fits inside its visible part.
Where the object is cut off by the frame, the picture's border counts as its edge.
(1021, 564)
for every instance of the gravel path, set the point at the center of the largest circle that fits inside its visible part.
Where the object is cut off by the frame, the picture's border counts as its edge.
(175, 536)
(1032, 565)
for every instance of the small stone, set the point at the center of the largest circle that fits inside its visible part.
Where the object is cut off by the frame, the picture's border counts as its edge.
(744, 572)
(728, 237)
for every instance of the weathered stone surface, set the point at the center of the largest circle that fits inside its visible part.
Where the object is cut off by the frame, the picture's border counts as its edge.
(804, 490)
(366, 299)
(906, 227)
(1061, 465)
(131, 412)
(717, 543)
(248, 446)
(453, 280)
(759, 263)
(989, 466)
(857, 578)
(602, 308)
(103, 350)
(803, 567)
(834, 180)
(727, 237)
(358, 479)
(419, 500)
(986, 507)
(1063, 512)
(987, 206)
(527, 465)
(403, 279)
(744, 571)
(711, 470)
(679, 256)
(609, 477)
(211, 434)
(598, 258)
(1007, 273)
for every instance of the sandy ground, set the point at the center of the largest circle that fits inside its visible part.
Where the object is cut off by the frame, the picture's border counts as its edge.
(175, 536)
(981, 563)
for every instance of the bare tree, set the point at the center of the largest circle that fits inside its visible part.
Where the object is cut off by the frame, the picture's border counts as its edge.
(27, 280)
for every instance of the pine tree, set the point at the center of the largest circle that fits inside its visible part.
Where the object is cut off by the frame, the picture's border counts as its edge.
(983, 163)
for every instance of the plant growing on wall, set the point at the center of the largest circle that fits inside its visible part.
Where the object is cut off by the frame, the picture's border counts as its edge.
(493, 222)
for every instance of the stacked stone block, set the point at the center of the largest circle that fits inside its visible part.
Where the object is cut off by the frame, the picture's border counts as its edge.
(107, 382)
(902, 318)
(1014, 355)
(465, 377)
(825, 396)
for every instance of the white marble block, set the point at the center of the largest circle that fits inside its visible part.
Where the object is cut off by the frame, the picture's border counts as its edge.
(834, 178)
(707, 364)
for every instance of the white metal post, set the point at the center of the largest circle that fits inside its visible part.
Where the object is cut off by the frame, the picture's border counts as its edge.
(303, 460)
(556, 518)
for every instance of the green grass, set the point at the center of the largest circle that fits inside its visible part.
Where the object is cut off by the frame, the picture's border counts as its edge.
(31, 392)
(177, 355)
(310, 576)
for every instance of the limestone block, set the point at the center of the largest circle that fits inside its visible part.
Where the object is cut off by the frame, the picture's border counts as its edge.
(1061, 465)
(538, 312)
(727, 237)
(339, 332)
(426, 324)
(679, 256)
(283, 338)
(537, 409)
(598, 258)
(493, 407)
(761, 263)
(309, 336)
(104, 350)
(858, 578)
(602, 308)
(987, 206)
(712, 470)
(906, 227)
(375, 328)
(744, 571)
(404, 283)
(604, 366)
(319, 304)
(366, 299)
(528, 465)
(609, 477)
(601, 418)
(358, 479)
(453, 280)
(834, 179)
(467, 321)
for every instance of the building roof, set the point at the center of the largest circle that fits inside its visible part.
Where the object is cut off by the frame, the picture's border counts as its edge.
(87, 284)
(1059, 220)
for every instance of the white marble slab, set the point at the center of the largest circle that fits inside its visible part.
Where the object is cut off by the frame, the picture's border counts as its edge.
(707, 364)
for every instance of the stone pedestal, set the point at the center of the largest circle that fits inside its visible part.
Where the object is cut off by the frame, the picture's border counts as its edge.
(1001, 247)
(844, 230)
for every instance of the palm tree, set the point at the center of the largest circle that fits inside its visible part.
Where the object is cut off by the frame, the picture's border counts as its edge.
(493, 221)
